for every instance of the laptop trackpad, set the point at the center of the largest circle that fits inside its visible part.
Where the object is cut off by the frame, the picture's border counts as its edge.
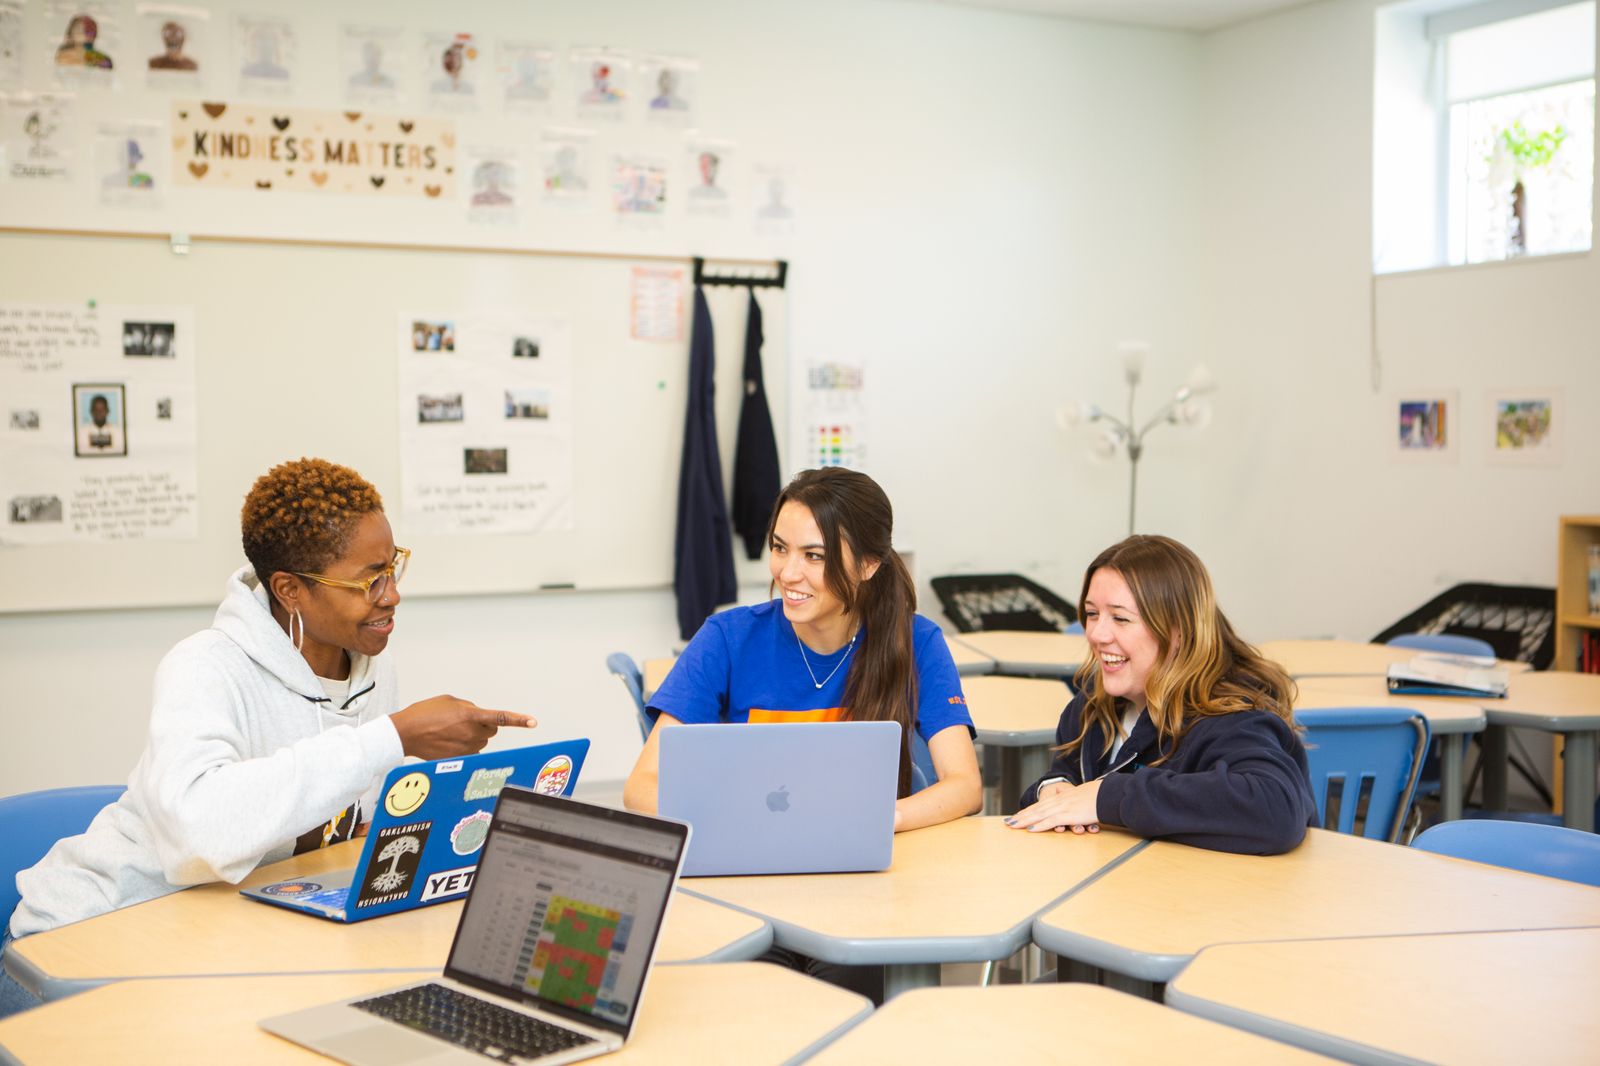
(384, 1044)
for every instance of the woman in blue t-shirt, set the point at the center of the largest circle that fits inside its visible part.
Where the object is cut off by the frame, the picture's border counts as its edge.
(842, 640)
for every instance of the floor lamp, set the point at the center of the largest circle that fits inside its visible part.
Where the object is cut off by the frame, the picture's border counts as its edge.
(1184, 409)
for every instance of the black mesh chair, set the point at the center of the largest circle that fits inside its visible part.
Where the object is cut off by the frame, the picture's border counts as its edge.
(976, 602)
(1518, 621)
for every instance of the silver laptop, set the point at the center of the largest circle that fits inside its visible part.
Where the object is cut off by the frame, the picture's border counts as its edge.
(550, 956)
(781, 798)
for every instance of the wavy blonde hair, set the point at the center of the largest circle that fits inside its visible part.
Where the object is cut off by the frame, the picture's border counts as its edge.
(1203, 668)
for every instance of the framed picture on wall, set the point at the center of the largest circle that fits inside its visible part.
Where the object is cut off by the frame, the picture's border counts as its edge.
(1525, 426)
(1423, 425)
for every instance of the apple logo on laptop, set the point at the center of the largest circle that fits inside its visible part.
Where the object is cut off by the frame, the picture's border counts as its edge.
(779, 800)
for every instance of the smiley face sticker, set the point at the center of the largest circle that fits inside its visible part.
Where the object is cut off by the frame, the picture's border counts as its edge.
(406, 795)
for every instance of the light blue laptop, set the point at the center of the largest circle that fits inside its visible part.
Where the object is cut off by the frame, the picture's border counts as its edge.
(777, 798)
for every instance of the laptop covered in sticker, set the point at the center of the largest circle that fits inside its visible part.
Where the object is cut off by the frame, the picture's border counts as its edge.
(429, 825)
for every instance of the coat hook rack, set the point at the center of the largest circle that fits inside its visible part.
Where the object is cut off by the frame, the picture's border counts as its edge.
(749, 281)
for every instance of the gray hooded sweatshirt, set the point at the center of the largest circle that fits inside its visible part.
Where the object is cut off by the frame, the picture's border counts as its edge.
(245, 755)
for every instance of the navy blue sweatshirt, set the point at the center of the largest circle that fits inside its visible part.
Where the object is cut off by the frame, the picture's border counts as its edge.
(1234, 782)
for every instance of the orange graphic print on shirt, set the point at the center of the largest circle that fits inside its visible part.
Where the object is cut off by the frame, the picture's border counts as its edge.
(820, 714)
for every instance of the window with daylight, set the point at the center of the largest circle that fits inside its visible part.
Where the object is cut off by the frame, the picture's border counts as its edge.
(1484, 129)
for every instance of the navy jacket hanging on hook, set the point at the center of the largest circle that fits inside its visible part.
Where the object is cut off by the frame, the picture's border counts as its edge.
(755, 460)
(703, 561)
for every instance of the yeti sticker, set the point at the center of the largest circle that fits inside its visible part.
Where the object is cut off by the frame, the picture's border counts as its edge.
(392, 872)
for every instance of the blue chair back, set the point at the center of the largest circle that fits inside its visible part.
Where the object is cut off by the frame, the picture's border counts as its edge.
(1448, 643)
(1364, 765)
(922, 771)
(1551, 850)
(621, 664)
(31, 823)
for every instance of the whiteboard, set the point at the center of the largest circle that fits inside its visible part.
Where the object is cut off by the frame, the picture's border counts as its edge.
(296, 355)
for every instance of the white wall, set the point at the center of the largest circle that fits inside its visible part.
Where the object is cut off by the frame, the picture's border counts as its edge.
(989, 202)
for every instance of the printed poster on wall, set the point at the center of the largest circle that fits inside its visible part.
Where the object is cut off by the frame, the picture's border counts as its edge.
(98, 441)
(301, 149)
(486, 421)
(833, 415)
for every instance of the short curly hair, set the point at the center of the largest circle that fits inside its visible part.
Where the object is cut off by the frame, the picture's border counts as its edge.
(300, 515)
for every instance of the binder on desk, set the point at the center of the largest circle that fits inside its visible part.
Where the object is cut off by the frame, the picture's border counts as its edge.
(1448, 675)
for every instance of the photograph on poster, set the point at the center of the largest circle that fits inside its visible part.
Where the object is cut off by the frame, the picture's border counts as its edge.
(525, 348)
(24, 419)
(446, 408)
(484, 460)
(164, 409)
(1526, 426)
(97, 415)
(40, 508)
(154, 339)
(528, 403)
(433, 337)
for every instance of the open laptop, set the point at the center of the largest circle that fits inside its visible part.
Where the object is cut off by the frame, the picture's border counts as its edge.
(430, 822)
(783, 798)
(551, 954)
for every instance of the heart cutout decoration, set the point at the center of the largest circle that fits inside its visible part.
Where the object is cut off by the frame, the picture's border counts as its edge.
(263, 184)
(199, 169)
(406, 125)
(183, 114)
(377, 181)
(432, 190)
(249, 120)
(215, 110)
(318, 177)
(280, 123)
(353, 116)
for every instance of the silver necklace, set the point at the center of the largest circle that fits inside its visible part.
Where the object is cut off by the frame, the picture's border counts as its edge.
(847, 649)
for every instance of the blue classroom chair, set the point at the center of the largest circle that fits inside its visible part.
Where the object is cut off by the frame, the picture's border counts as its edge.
(1550, 850)
(1364, 764)
(622, 666)
(31, 823)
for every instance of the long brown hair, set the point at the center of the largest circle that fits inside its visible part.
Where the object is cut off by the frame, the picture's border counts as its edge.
(851, 510)
(1203, 667)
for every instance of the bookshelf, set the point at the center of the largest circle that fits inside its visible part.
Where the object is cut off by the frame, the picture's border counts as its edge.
(1574, 623)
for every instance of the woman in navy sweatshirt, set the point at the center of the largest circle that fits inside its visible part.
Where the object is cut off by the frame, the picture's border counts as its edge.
(1180, 729)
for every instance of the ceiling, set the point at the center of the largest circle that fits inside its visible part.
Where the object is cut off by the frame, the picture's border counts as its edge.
(1168, 14)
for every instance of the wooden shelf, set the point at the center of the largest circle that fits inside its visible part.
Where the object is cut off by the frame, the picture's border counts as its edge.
(1581, 621)
(1573, 620)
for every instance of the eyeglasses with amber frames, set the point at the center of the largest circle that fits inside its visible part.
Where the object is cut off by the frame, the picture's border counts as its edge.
(375, 586)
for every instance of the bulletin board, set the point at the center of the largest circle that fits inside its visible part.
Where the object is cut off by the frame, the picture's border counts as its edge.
(296, 356)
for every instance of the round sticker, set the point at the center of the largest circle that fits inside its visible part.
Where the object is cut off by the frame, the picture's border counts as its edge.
(469, 833)
(407, 794)
(291, 888)
(553, 776)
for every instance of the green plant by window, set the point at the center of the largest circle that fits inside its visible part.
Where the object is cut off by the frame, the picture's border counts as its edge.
(1527, 151)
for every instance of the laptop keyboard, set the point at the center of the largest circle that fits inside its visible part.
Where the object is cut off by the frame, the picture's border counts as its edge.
(472, 1023)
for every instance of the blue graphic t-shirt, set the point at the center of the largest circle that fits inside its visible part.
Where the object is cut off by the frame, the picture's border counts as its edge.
(744, 666)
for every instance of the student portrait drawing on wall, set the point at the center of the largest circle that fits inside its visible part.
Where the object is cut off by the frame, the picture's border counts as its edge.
(270, 731)
(1180, 729)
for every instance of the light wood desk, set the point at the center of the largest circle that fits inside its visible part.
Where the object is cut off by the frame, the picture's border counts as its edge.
(964, 891)
(969, 663)
(1556, 701)
(1043, 1023)
(1347, 658)
(1018, 715)
(1487, 998)
(212, 930)
(732, 1013)
(1029, 654)
(1451, 720)
(1148, 916)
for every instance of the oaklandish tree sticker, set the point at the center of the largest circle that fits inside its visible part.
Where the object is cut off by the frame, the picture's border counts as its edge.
(241, 146)
(393, 870)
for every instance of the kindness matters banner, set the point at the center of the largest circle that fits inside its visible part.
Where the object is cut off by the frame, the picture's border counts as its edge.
(243, 146)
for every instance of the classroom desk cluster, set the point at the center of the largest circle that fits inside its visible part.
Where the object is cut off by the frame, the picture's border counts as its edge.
(1233, 958)
(1309, 948)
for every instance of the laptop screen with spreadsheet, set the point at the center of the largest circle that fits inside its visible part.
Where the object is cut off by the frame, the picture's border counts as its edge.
(567, 905)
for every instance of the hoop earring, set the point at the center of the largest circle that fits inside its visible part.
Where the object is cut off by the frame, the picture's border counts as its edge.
(294, 617)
